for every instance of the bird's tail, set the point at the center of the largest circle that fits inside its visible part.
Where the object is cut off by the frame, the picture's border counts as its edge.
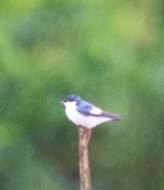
(112, 116)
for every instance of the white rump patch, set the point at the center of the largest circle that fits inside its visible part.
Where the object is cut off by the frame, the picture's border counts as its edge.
(96, 111)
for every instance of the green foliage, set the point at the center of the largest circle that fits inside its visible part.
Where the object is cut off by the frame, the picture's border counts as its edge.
(109, 52)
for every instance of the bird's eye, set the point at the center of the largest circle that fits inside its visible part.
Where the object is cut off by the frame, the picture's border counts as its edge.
(68, 100)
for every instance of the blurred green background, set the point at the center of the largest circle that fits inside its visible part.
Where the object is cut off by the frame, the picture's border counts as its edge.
(109, 52)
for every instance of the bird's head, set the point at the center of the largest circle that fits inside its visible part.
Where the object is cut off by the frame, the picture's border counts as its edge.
(71, 100)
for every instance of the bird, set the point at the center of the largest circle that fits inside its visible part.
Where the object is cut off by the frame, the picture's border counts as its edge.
(85, 114)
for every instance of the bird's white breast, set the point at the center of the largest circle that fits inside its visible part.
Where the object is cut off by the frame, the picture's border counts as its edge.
(82, 120)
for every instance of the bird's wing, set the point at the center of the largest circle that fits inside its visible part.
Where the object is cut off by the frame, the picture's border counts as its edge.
(88, 109)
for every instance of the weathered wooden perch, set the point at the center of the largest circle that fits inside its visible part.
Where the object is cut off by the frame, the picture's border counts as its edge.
(84, 166)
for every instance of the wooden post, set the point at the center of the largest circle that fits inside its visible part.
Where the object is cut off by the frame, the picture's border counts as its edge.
(84, 166)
